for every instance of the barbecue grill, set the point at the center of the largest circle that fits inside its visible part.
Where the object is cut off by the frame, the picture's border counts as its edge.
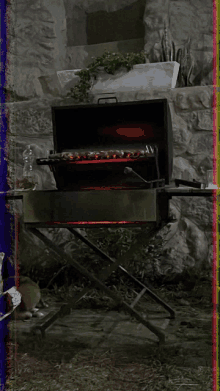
(112, 164)
(94, 153)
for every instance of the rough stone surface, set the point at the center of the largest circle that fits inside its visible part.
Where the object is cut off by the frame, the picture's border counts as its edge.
(37, 44)
(201, 143)
(184, 242)
(185, 20)
(81, 56)
(98, 5)
(181, 135)
(180, 165)
(205, 120)
(197, 98)
(39, 39)
(50, 84)
(199, 211)
(66, 76)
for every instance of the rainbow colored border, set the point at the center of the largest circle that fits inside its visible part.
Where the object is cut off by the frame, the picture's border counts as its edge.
(216, 194)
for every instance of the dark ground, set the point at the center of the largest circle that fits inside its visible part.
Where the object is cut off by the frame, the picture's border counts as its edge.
(98, 348)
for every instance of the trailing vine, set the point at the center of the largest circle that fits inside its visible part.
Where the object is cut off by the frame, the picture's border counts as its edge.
(110, 62)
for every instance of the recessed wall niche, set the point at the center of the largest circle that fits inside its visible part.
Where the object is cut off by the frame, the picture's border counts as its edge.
(88, 28)
(124, 24)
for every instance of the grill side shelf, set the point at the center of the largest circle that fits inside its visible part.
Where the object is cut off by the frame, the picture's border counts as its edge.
(187, 192)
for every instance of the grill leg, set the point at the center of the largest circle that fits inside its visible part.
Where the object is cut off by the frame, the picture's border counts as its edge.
(120, 260)
(99, 284)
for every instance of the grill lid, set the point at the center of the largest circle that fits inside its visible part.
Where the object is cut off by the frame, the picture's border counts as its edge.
(128, 126)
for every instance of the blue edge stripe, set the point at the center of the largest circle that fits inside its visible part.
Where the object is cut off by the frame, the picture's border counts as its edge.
(7, 231)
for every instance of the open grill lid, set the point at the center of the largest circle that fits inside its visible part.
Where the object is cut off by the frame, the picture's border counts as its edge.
(121, 127)
(112, 146)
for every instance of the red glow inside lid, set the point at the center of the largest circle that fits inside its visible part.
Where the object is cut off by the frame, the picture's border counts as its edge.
(132, 131)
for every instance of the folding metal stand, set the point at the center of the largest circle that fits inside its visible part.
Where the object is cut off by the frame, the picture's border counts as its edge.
(99, 282)
(47, 213)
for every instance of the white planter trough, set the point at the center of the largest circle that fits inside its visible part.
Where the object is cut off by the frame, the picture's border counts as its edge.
(150, 75)
(68, 79)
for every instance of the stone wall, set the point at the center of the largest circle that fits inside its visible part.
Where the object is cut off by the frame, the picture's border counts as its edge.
(36, 44)
(79, 57)
(186, 18)
(45, 37)
(93, 22)
(187, 241)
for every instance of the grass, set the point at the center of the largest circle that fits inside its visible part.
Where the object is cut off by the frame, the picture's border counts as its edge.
(56, 365)
(88, 372)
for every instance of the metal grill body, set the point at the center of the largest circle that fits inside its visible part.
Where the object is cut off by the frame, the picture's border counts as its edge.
(112, 165)
(93, 145)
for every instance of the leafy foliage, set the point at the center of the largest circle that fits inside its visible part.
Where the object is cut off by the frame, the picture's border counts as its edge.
(110, 62)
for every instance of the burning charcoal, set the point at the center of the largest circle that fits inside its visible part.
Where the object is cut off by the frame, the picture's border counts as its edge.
(91, 155)
(120, 154)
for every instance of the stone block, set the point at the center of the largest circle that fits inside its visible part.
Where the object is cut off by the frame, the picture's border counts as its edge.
(79, 57)
(76, 57)
(37, 44)
(50, 84)
(207, 80)
(181, 165)
(198, 210)
(204, 120)
(68, 80)
(190, 118)
(188, 242)
(185, 20)
(208, 42)
(24, 81)
(190, 99)
(181, 135)
(201, 143)
(206, 163)
(29, 120)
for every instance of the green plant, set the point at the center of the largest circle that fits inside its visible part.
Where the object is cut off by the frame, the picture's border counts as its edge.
(168, 52)
(183, 57)
(110, 62)
(186, 62)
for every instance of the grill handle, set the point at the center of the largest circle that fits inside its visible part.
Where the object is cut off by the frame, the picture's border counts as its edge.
(108, 97)
(129, 170)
